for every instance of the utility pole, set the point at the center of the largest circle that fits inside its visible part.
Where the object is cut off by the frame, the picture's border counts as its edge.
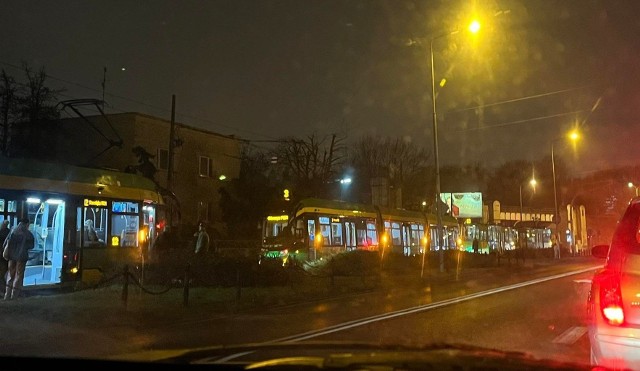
(172, 131)
(104, 84)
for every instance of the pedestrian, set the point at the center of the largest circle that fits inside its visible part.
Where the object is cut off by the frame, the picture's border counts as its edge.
(4, 264)
(556, 249)
(160, 246)
(475, 245)
(19, 241)
(202, 240)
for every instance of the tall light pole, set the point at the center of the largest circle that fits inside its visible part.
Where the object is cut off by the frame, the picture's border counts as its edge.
(474, 27)
(533, 183)
(573, 136)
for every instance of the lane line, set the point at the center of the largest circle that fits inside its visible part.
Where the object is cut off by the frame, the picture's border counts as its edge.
(421, 308)
(570, 336)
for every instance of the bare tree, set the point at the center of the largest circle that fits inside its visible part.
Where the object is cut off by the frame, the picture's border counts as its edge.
(36, 126)
(402, 163)
(8, 106)
(309, 164)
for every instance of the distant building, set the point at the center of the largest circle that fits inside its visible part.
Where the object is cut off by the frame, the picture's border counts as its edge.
(120, 141)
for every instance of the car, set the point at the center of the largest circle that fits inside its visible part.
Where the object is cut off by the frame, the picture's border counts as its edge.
(613, 304)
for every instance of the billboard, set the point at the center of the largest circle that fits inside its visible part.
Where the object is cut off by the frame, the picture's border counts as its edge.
(463, 205)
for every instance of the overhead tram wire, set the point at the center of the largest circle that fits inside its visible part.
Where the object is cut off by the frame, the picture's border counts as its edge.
(515, 100)
(163, 109)
(517, 122)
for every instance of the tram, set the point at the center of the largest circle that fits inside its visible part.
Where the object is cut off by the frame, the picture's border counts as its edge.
(87, 222)
(499, 238)
(315, 228)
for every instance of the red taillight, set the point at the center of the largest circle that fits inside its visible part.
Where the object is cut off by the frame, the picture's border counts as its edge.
(611, 300)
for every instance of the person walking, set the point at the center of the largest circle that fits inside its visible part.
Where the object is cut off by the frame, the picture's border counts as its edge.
(4, 264)
(202, 240)
(19, 241)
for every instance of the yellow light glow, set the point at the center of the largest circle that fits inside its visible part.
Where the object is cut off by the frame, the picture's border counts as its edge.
(115, 241)
(142, 235)
(318, 239)
(474, 26)
(443, 82)
(574, 135)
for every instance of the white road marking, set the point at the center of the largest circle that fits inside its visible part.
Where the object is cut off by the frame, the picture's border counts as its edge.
(570, 336)
(420, 308)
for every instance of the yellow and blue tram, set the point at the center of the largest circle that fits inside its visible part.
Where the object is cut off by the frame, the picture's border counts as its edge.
(315, 228)
(86, 222)
(494, 237)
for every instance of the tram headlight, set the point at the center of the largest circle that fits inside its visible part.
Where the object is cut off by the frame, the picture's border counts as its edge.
(384, 239)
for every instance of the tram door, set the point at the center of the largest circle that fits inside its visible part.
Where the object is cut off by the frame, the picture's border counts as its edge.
(406, 240)
(92, 226)
(350, 235)
(46, 218)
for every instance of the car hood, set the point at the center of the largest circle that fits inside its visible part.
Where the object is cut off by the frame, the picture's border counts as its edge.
(341, 355)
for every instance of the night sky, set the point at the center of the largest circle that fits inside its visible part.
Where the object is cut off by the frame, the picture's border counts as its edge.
(262, 70)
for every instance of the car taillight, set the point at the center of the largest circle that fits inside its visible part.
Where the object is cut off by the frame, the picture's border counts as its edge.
(611, 300)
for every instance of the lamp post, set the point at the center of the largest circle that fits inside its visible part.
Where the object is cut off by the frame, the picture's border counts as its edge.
(533, 183)
(474, 27)
(573, 136)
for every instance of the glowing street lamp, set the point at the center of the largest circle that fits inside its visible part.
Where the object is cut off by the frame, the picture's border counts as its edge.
(474, 27)
(631, 185)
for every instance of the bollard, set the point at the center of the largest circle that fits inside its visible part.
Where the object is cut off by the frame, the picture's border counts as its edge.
(125, 285)
(185, 292)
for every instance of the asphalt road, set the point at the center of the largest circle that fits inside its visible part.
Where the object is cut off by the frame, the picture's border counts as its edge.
(538, 310)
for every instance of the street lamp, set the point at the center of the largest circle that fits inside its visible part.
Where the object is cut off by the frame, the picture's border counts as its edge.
(533, 183)
(573, 136)
(474, 27)
(631, 185)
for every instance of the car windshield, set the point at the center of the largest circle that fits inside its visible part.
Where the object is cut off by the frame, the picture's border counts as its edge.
(237, 181)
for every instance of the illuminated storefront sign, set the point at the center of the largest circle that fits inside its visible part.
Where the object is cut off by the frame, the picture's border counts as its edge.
(463, 205)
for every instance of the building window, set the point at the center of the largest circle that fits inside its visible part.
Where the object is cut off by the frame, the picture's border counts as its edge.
(205, 167)
(163, 159)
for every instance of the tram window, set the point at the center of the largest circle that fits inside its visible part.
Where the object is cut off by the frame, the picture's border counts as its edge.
(415, 235)
(92, 226)
(372, 234)
(395, 234)
(1, 205)
(12, 206)
(336, 233)
(125, 229)
(325, 230)
(361, 237)
(311, 231)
